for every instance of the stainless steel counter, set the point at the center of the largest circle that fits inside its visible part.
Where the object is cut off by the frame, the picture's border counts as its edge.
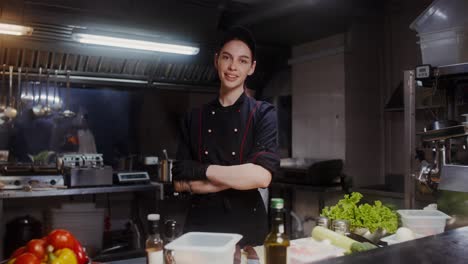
(10, 194)
(127, 261)
(448, 247)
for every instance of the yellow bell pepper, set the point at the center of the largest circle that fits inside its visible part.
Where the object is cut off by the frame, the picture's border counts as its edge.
(11, 261)
(63, 256)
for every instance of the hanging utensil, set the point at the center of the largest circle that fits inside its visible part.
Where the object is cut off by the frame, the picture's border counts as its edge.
(3, 104)
(10, 111)
(67, 112)
(37, 109)
(19, 90)
(26, 94)
(56, 102)
(47, 109)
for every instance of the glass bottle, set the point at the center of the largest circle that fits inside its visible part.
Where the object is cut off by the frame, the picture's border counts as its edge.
(154, 243)
(171, 232)
(276, 242)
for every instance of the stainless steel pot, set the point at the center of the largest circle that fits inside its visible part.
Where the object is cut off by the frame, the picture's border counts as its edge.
(19, 231)
(166, 170)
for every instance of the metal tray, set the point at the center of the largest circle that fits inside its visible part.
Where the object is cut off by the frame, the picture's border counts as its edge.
(444, 133)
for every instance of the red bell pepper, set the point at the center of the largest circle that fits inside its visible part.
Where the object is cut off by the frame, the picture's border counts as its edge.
(60, 238)
(81, 256)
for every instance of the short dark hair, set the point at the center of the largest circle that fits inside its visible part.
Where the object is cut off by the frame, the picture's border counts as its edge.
(239, 33)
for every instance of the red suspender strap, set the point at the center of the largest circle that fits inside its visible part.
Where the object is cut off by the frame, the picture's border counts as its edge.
(247, 130)
(200, 134)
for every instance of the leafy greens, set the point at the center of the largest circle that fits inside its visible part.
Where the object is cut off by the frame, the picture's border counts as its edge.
(365, 215)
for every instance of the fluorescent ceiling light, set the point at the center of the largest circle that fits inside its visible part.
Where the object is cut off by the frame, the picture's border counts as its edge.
(16, 30)
(134, 44)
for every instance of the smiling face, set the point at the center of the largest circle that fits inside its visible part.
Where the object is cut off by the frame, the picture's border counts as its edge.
(234, 63)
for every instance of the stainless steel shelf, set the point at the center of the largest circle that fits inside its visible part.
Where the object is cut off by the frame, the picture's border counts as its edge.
(454, 69)
(11, 194)
(391, 194)
(444, 133)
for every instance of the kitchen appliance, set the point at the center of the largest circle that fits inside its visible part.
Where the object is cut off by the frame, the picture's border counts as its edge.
(30, 177)
(131, 177)
(82, 170)
(33, 182)
(444, 172)
(80, 160)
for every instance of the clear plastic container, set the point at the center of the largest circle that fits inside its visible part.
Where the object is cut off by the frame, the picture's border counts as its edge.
(443, 31)
(204, 248)
(444, 47)
(441, 15)
(424, 222)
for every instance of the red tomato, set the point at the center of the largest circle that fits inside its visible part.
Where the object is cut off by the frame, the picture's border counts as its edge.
(18, 252)
(37, 247)
(27, 258)
(60, 238)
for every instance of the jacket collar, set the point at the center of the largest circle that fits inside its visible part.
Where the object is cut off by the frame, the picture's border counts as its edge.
(216, 104)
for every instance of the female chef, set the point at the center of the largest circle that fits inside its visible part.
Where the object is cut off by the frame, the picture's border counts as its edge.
(228, 149)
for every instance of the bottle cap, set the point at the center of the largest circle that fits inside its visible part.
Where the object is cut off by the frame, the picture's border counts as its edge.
(277, 203)
(153, 217)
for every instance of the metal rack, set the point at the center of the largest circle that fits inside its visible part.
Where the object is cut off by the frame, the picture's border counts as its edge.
(456, 71)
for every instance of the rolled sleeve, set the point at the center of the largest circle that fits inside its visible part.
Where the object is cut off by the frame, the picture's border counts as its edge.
(265, 150)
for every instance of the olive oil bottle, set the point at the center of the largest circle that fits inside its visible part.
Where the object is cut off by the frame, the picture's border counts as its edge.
(276, 242)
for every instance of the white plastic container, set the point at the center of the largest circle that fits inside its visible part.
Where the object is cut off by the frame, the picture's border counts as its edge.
(204, 248)
(424, 222)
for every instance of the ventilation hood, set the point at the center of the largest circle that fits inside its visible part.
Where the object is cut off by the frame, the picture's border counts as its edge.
(51, 44)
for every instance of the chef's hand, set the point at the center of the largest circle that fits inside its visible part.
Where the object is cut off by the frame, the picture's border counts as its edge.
(188, 170)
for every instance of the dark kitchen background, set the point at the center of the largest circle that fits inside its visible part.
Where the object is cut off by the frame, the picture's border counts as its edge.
(329, 66)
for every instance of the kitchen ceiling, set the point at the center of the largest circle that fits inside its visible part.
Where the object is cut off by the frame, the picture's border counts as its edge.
(277, 25)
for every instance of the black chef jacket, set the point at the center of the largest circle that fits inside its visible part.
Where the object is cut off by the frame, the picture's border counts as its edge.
(245, 132)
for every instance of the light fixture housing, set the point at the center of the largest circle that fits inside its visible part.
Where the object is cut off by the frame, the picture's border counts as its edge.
(16, 30)
(133, 43)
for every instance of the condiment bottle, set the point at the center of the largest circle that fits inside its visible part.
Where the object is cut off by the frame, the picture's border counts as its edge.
(154, 243)
(276, 242)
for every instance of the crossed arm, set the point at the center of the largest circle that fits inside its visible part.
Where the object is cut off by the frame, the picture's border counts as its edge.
(240, 177)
